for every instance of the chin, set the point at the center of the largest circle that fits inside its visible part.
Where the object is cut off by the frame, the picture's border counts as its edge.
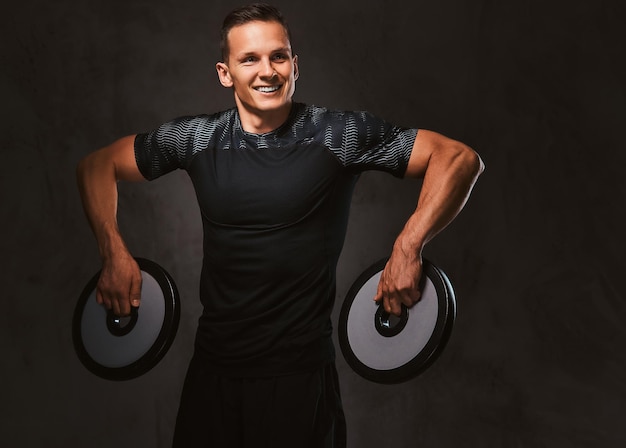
(271, 105)
(264, 105)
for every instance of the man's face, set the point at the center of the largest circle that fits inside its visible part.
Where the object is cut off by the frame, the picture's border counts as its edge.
(260, 67)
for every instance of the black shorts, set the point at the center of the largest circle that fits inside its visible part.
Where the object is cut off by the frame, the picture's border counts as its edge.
(302, 410)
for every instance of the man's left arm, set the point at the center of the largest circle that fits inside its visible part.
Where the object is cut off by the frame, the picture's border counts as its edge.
(449, 170)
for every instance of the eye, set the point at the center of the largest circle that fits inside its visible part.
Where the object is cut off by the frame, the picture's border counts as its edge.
(280, 57)
(248, 60)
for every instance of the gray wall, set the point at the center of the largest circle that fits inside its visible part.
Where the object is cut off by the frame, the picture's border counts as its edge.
(536, 358)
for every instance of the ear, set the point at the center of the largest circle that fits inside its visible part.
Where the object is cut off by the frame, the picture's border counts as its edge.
(224, 74)
(296, 70)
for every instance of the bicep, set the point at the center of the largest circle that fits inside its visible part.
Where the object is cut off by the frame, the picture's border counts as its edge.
(121, 156)
(428, 143)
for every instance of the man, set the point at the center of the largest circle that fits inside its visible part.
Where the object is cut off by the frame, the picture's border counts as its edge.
(273, 180)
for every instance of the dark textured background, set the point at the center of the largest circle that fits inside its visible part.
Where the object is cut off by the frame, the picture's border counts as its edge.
(536, 358)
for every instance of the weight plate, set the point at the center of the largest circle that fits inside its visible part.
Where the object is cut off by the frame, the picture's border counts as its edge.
(388, 349)
(125, 348)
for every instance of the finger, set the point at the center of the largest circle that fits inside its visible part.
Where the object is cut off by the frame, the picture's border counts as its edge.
(103, 298)
(392, 306)
(115, 307)
(379, 291)
(135, 293)
(395, 307)
(99, 299)
(124, 307)
(387, 304)
(411, 297)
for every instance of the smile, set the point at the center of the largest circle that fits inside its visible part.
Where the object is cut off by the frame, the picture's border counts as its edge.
(267, 89)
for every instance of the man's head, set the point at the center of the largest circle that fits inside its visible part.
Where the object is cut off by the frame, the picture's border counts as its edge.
(259, 66)
(261, 12)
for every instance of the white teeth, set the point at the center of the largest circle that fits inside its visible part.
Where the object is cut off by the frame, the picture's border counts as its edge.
(267, 89)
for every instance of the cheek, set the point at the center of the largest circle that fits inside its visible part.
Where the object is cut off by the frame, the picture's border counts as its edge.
(240, 84)
(290, 75)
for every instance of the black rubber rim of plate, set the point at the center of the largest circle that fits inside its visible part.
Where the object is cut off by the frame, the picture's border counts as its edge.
(432, 349)
(160, 346)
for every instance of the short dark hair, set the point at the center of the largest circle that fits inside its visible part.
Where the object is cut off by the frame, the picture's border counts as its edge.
(249, 13)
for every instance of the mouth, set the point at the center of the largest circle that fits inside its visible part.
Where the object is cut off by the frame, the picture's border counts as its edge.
(267, 89)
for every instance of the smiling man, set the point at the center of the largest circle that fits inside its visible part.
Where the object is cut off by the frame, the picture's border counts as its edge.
(260, 68)
(273, 179)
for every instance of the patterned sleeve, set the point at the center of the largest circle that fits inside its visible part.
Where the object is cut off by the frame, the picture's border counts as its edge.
(168, 147)
(365, 142)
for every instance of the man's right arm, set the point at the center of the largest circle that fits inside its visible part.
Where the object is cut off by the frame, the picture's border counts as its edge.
(119, 285)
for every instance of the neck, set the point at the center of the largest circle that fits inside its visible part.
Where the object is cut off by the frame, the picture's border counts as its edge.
(261, 121)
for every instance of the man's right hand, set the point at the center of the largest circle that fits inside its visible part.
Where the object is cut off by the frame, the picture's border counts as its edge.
(119, 286)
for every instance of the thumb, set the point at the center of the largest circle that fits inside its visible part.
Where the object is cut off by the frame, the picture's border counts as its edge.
(379, 290)
(135, 292)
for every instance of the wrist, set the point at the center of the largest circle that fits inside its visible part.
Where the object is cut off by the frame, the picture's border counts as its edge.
(110, 244)
(410, 247)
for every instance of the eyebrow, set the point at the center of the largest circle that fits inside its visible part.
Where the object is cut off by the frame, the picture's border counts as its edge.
(254, 53)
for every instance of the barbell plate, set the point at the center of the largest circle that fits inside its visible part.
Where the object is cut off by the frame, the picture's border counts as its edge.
(384, 356)
(111, 351)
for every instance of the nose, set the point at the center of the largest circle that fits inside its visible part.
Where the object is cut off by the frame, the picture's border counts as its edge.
(266, 69)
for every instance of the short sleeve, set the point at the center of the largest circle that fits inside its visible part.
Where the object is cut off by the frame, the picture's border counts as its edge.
(168, 147)
(363, 141)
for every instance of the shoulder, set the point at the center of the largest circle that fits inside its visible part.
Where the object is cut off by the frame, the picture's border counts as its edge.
(223, 118)
(193, 127)
(320, 113)
(342, 116)
(326, 118)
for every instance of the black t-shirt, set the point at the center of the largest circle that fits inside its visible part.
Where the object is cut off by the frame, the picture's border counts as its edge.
(274, 209)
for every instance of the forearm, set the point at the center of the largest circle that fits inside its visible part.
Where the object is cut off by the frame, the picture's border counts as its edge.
(448, 180)
(97, 185)
(119, 283)
(97, 177)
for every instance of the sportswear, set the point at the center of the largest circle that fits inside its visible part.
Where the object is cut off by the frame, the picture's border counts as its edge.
(274, 209)
(302, 410)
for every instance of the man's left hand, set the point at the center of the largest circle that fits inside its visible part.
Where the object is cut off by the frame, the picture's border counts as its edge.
(399, 282)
